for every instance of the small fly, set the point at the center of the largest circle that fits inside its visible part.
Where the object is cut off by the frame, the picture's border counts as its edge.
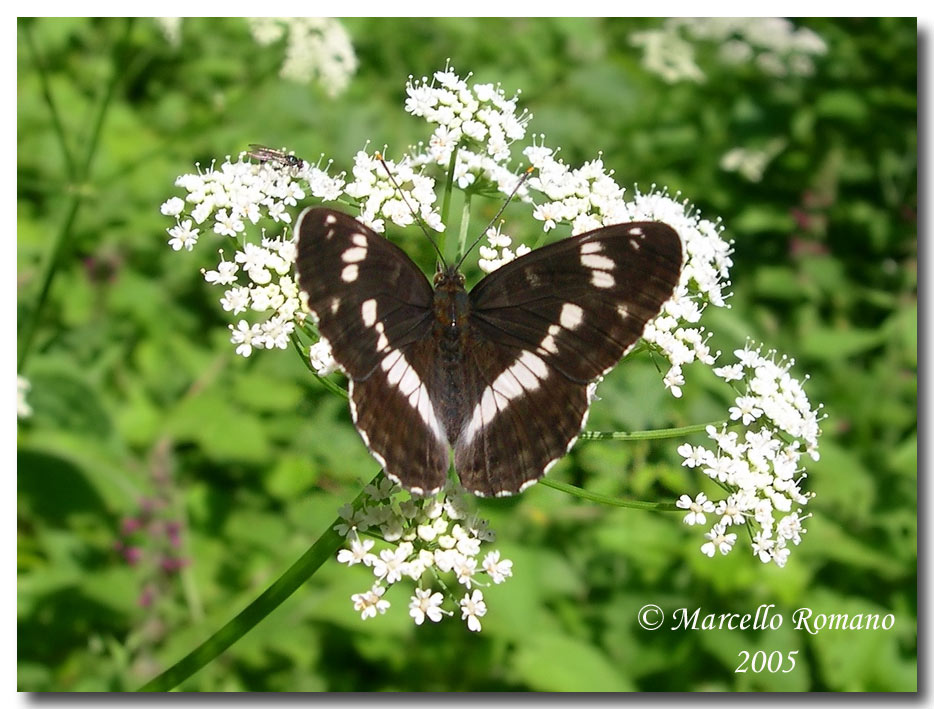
(265, 154)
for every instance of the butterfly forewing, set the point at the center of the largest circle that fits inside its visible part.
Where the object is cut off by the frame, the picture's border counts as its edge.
(366, 294)
(580, 303)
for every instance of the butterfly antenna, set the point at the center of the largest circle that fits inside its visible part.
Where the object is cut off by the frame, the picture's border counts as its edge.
(512, 194)
(421, 224)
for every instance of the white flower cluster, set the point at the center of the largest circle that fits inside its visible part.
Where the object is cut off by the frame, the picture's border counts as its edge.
(23, 409)
(751, 163)
(497, 253)
(478, 121)
(588, 198)
(667, 55)
(171, 28)
(379, 199)
(317, 49)
(774, 45)
(760, 469)
(430, 538)
(257, 277)
(674, 333)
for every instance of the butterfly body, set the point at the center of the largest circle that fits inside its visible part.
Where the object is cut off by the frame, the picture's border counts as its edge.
(504, 374)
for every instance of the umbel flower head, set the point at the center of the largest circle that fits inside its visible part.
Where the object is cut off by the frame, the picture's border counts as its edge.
(433, 543)
(480, 133)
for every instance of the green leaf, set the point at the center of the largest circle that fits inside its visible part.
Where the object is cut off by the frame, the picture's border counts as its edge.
(63, 399)
(858, 660)
(209, 420)
(842, 104)
(560, 663)
(833, 345)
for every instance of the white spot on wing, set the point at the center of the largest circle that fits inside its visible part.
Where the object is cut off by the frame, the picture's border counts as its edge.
(390, 360)
(634, 244)
(548, 345)
(350, 273)
(354, 254)
(602, 279)
(359, 240)
(592, 247)
(524, 375)
(572, 315)
(368, 311)
(410, 383)
(330, 219)
(395, 372)
(335, 304)
(597, 262)
(637, 230)
(400, 372)
(382, 343)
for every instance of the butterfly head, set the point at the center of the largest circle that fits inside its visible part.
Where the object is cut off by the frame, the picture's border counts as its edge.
(449, 278)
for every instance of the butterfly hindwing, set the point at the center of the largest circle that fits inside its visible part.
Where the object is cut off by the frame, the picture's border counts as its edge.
(399, 421)
(519, 417)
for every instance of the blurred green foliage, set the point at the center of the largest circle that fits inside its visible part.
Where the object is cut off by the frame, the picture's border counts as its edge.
(143, 414)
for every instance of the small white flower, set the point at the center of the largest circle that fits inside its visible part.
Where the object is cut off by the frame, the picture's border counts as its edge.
(730, 511)
(693, 456)
(246, 337)
(358, 552)
(674, 380)
(731, 373)
(228, 224)
(322, 361)
(425, 604)
(472, 609)
(172, 207)
(465, 568)
(499, 570)
(745, 409)
(390, 566)
(184, 236)
(371, 602)
(445, 559)
(719, 541)
(236, 300)
(697, 508)
(225, 274)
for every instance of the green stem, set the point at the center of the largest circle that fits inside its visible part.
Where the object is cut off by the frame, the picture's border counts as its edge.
(326, 383)
(649, 435)
(52, 263)
(464, 227)
(57, 125)
(283, 587)
(606, 499)
(446, 199)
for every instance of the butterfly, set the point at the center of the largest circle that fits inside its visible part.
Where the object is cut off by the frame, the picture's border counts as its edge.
(503, 374)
